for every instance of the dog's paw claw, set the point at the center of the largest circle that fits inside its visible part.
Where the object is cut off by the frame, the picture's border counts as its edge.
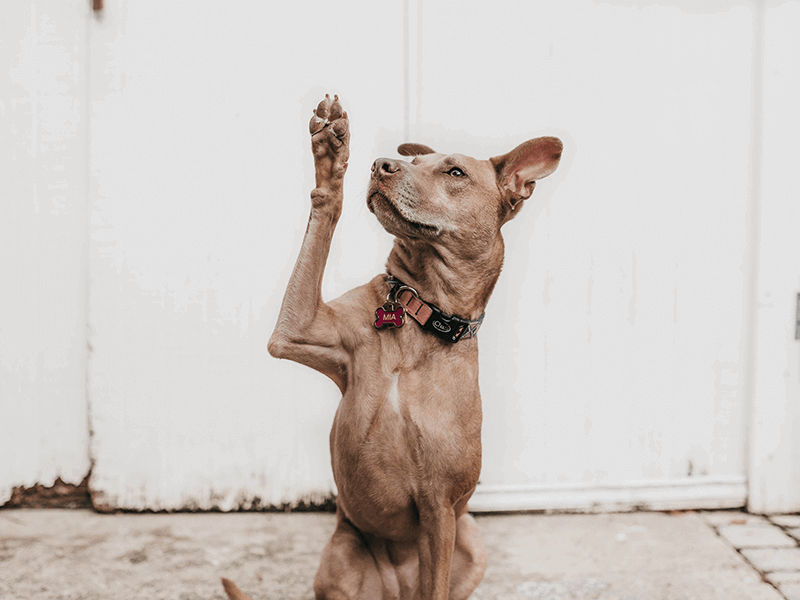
(323, 107)
(335, 110)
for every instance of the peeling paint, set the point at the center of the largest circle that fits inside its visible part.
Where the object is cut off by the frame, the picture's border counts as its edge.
(58, 495)
(316, 503)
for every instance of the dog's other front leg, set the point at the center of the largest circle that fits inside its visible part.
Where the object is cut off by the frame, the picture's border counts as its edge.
(307, 329)
(436, 544)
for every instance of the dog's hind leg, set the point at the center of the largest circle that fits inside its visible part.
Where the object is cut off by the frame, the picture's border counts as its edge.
(348, 570)
(469, 559)
(436, 543)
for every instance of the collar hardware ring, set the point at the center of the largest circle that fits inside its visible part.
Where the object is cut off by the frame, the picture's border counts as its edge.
(394, 293)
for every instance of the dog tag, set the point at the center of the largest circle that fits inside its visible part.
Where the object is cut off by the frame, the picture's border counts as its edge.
(390, 314)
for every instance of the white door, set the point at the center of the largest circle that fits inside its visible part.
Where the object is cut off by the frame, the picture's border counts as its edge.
(614, 355)
(43, 413)
(201, 173)
(614, 351)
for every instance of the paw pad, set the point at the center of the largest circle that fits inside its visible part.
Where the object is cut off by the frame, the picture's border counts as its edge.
(329, 115)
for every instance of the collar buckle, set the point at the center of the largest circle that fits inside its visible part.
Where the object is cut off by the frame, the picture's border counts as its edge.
(430, 317)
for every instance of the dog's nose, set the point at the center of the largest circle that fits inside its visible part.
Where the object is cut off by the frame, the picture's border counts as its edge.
(384, 166)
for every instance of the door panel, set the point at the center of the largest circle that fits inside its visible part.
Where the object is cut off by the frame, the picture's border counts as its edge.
(614, 350)
(43, 416)
(201, 173)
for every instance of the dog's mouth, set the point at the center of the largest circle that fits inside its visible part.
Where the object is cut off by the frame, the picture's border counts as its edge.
(392, 219)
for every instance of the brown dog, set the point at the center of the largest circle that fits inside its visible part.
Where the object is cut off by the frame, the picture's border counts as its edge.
(406, 439)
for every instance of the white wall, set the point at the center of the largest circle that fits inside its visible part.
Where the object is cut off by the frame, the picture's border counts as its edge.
(201, 173)
(614, 351)
(43, 418)
(775, 437)
(615, 348)
(630, 355)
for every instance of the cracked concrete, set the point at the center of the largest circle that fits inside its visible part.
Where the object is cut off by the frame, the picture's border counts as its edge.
(80, 554)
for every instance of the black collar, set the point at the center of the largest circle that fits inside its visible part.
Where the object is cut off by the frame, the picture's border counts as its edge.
(430, 317)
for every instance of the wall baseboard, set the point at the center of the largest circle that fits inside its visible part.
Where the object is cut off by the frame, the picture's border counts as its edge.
(658, 494)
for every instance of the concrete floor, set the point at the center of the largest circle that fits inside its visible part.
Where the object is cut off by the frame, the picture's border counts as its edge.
(79, 554)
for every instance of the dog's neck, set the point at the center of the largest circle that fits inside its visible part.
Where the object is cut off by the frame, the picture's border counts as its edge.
(458, 287)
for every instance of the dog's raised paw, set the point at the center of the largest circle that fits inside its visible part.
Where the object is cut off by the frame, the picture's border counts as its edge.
(329, 114)
(330, 138)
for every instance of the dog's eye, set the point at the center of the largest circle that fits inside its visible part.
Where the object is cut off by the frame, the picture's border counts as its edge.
(456, 172)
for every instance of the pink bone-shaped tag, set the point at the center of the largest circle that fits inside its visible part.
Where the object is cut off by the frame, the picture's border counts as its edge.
(389, 316)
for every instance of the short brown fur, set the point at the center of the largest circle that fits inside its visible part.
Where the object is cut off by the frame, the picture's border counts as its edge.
(405, 443)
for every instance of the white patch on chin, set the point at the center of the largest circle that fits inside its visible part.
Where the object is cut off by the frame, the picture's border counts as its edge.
(394, 393)
(439, 225)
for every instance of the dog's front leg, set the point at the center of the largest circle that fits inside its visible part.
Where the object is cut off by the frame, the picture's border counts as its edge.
(436, 544)
(307, 329)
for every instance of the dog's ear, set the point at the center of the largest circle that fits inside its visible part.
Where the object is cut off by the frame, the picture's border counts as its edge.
(414, 150)
(519, 170)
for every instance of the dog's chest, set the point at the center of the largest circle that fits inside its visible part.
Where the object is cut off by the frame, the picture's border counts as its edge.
(395, 404)
(408, 371)
(393, 394)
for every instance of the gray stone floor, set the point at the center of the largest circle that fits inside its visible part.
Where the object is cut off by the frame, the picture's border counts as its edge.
(770, 544)
(79, 554)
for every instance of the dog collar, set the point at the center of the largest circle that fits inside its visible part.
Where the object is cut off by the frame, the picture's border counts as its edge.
(403, 299)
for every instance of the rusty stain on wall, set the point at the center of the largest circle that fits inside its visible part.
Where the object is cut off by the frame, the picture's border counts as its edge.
(67, 495)
(103, 504)
(58, 495)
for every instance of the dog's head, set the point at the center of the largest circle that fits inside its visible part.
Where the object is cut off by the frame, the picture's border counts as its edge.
(454, 200)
